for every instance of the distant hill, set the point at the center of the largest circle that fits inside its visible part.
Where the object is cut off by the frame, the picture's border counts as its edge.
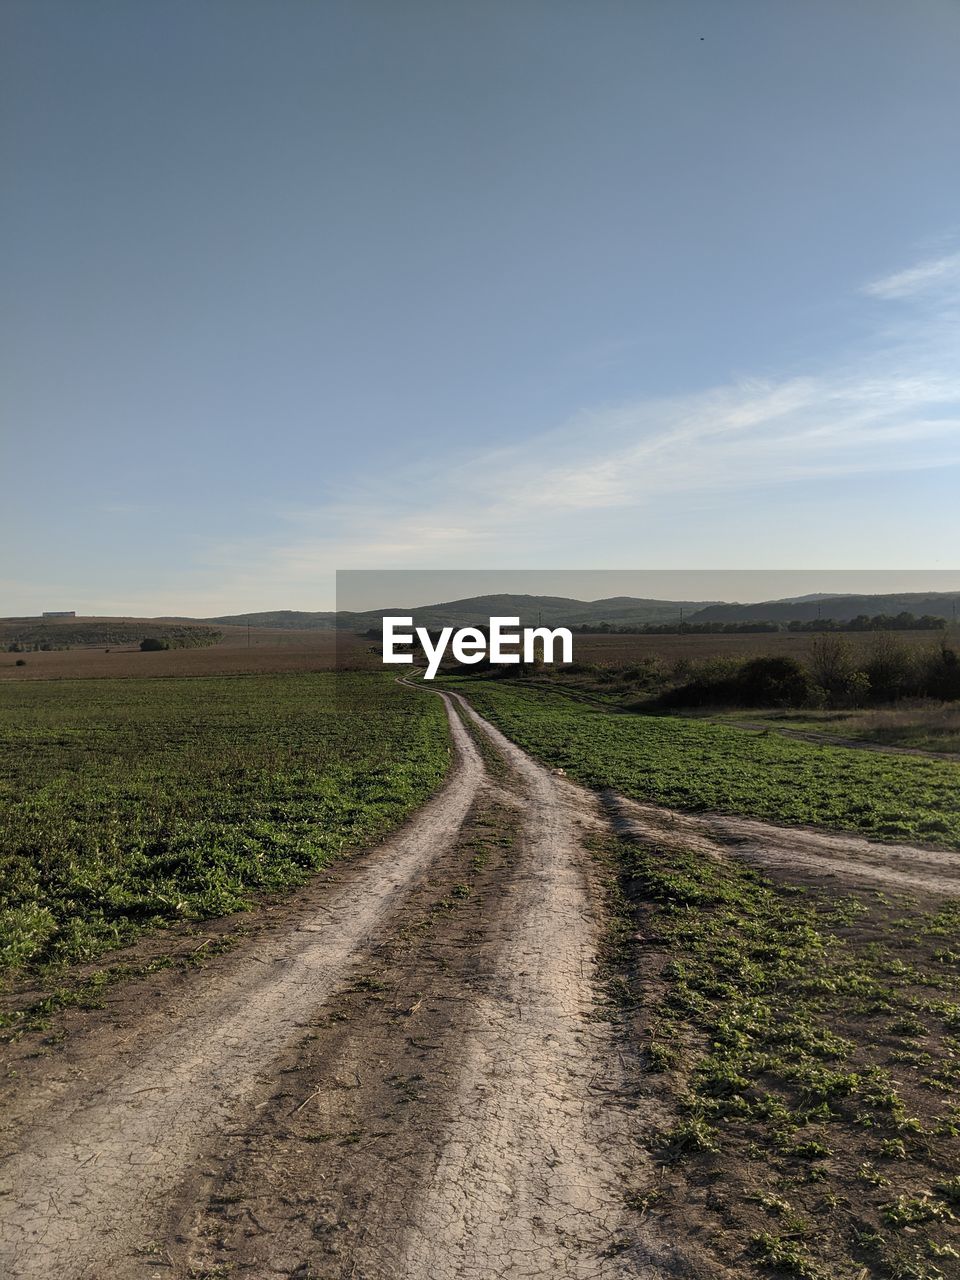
(942, 604)
(816, 595)
(554, 611)
(617, 611)
(474, 610)
(286, 619)
(98, 633)
(551, 610)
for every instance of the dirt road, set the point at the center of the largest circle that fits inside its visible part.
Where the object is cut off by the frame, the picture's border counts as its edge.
(401, 1074)
(118, 1144)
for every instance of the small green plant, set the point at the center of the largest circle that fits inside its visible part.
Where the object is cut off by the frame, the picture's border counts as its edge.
(689, 1135)
(781, 1253)
(775, 1205)
(950, 1189)
(867, 1173)
(912, 1211)
(892, 1149)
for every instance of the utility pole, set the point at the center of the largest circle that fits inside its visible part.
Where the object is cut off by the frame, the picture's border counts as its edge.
(248, 634)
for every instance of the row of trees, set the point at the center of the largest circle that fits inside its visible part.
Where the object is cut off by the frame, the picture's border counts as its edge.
(42, 637)
(880, 622)
(675, 628)
(181, 638)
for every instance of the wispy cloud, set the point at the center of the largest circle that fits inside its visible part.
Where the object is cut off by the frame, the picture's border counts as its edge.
(923, 277)
(893, 408)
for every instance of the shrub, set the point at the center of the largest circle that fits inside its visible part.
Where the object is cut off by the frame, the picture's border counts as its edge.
(152, 644)
(831, 663)
(941, 675)
(858, 689)
(765, 681)
(891, 670)
(776, 682)
(710, 683)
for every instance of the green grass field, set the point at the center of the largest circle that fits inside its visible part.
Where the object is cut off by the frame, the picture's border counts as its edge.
(696, 765)
(807, 1044)
(132, 803)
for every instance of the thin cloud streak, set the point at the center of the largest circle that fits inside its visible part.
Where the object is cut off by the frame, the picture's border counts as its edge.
(935, 273)
(894, 408)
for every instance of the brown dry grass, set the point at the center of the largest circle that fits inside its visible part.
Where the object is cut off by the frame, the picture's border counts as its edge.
(270, 651)
(277, 650)
(921, 724)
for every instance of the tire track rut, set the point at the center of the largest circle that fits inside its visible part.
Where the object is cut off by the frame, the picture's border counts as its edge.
(531, 1179)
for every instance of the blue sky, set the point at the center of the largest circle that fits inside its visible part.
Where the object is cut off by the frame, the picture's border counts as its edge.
(294, 286)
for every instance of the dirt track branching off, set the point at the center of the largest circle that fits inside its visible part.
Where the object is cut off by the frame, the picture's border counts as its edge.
(698, 765)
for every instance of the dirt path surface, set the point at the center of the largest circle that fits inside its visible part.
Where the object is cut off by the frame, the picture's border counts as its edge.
(182, 1139)
(797, 851)
(533, 1168)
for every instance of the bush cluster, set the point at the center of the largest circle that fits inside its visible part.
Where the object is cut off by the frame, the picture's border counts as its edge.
(833, 676)
(887, 673)
(757, 682)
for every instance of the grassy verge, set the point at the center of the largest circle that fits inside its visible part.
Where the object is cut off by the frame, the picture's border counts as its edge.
(130, 804)
(809, 1051)
(700, 765)
(929, 726)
